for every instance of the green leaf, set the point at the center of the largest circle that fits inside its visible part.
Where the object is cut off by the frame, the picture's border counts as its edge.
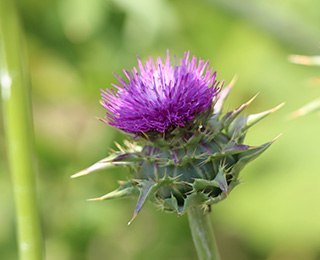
(219, 181)
(147, 188)
(248, 156)
(233, 148)
(236, 126)
(195, 138)
(170, 204)
(253, 119)
(241, 124)
(201, 184)
(194, 199)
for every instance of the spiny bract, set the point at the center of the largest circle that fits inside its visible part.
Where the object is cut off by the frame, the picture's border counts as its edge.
(186, 152)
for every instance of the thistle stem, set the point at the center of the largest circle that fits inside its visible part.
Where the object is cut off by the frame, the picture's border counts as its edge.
(15, 96)
(202, 234)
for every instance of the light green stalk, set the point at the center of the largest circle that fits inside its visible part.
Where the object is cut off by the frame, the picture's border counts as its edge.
(15, 95)
(202, 234)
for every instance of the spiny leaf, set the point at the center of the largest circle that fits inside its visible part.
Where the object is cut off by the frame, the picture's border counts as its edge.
(252, 119)
(222, 196)
(229, 149)
(126, 190)
(104, 163)
(229, 117)
(146, 190)
(236, 126)
(214, 200)
(248, 156)
(219, 181)
(241, 124)
(194, 199)
(170, 204)
(195, 138)
(233, 148)
(126, 158)
(201, 184)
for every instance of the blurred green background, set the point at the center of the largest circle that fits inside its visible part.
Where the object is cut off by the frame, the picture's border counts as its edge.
(73, 46)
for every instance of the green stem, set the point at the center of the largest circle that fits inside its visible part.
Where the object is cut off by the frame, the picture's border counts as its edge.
(15, 95)
(202, 235)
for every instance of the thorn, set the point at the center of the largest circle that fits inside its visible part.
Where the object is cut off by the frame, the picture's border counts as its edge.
(223, 163)
(178, 176)
(277, 107)
(92, 168)
(233, 81)
(275, 138)
(119, 147)
(254, 97)
(194, 152)
(133, 217)
(228, 169)
(95, 199)
(226, 192)
(145, 135)
(78, 174)
(128, 144)
(165, 173)
(171, 141)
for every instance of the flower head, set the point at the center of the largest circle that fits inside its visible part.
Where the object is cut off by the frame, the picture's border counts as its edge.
(195, 165)
(161, 96)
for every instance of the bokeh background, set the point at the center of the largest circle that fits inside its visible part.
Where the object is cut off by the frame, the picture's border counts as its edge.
(72, 48)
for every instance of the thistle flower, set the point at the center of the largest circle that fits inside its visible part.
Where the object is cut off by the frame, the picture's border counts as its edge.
(161, 97)
(185, 152)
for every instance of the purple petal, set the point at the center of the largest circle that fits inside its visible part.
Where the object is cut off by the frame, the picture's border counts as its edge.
(160, 96)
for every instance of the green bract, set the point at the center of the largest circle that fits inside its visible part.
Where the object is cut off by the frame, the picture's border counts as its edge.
(197, 165)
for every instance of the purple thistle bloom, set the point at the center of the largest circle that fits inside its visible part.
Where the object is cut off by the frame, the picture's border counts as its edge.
(161, 96)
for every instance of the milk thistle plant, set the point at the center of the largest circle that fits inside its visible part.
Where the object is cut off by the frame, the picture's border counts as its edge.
(184, 153)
